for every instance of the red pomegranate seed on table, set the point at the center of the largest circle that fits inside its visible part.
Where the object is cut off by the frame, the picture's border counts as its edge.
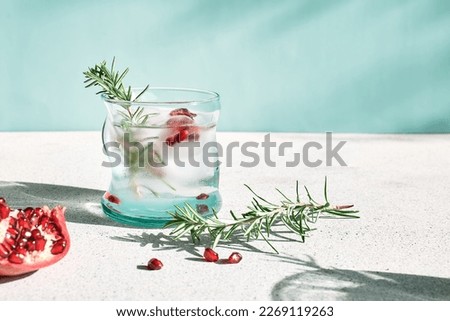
(210, 255)
(154, 264)
(234, 258)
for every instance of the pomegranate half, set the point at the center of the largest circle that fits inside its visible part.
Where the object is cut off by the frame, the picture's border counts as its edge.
(32, 238)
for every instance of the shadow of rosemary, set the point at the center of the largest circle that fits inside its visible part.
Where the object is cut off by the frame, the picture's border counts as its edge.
(163, 242)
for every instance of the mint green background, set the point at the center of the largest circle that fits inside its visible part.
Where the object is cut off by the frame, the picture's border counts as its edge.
(351, 66)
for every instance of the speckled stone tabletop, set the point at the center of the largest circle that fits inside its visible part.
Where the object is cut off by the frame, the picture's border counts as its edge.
(398, 249)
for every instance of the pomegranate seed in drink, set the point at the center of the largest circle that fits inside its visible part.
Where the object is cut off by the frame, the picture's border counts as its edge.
(182, 111)
(202, 208)
(202, 196)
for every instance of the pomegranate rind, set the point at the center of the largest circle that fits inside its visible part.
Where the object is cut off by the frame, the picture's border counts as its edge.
(39, 262)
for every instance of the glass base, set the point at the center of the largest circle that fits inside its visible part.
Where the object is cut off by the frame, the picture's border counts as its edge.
(158, 217)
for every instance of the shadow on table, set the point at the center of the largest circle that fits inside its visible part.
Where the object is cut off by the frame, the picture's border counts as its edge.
(164, 242)
(83, 204)
(314, 282)
(347, 285)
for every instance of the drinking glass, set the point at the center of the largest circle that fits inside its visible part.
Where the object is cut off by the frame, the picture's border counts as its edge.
(162, 151)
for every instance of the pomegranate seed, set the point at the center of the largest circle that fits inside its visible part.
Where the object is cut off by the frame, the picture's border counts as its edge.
(36, 234)
(194, 137)
(184, 135)
(234, 258)
(34, 219)
(25, 233)
(23, 223)
(210, 255)
(4, 252)
(43, 222)
(177, 138)
(182, 111)
(22, 243)
(2, 200)
(51, 227)
(112, 198)
(179, 121)
(12, 221)
(58, 247)
(8, 246)
(154, 264)
(170, 140)
(202, 208)
(31, 246)
(12, 232)
(39, 211)
(40, 244)
(21, 250)
(28, 211)
(9, 240)
(202, 196)
(15, 258)
(4, 211)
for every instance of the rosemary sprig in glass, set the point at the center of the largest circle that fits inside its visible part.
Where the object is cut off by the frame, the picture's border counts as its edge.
(110, 82)
(296, 215)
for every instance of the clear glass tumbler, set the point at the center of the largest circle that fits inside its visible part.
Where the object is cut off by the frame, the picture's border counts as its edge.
(163, 153)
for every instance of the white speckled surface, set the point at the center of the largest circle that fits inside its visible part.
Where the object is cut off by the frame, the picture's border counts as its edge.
(398, 249)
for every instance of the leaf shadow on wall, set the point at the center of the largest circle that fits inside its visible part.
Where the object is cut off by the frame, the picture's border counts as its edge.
(330, 284)
(83, 204)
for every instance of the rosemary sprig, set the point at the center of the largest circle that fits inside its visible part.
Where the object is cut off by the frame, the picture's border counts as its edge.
(295, 215)
(110, 82)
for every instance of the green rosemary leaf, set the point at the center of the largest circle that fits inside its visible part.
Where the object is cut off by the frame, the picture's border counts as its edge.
(270, 244)
(262, 199)
(309, 196)
(282, 194)
(218, 237)
(122, 75)
(140, 94)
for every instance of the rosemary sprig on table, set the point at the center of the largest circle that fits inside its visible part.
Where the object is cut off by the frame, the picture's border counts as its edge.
(296, 215)
(110, 82)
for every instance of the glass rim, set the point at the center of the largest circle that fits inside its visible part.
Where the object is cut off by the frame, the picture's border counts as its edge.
(214, 96)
